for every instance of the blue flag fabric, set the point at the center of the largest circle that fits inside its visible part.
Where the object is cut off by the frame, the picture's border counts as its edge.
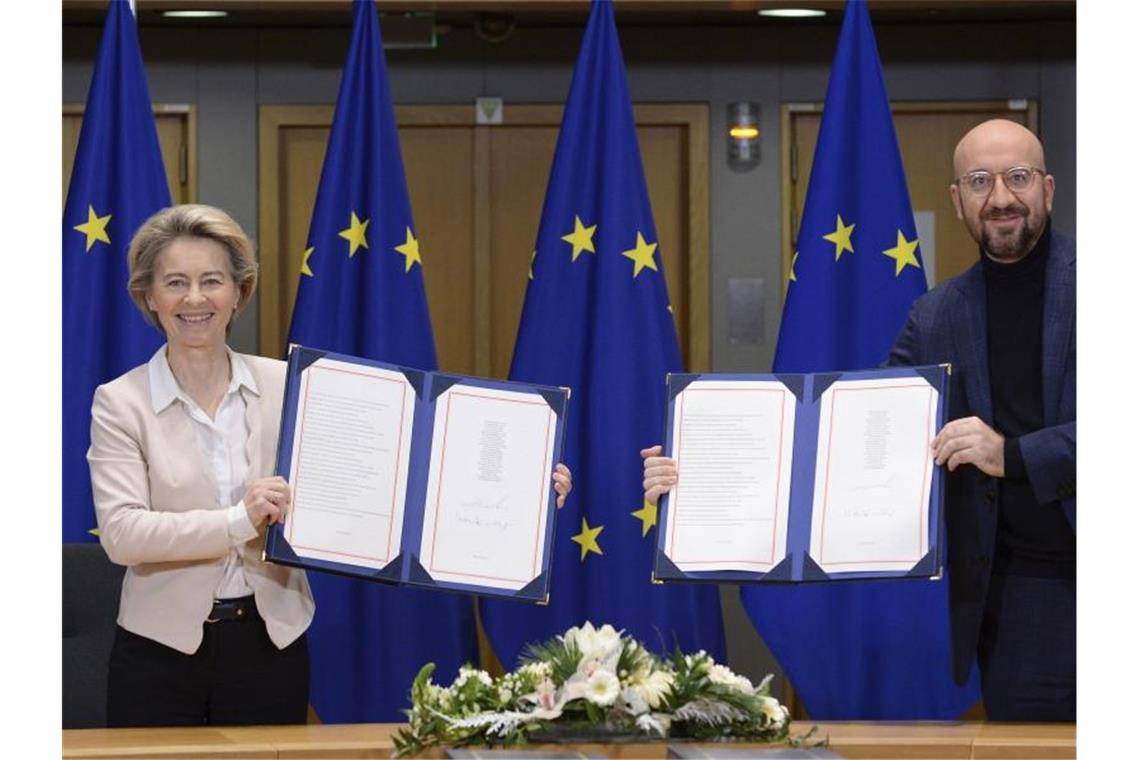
(117, 182)
(596, 318)
(870, 649)
(361, 292)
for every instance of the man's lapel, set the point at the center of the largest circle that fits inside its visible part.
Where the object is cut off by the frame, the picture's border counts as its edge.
(970, 344)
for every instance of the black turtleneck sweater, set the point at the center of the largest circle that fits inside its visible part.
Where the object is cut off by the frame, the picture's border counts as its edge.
(1032, 539)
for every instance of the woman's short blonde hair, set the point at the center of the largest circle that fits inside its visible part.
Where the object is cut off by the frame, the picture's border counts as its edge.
(190, 220)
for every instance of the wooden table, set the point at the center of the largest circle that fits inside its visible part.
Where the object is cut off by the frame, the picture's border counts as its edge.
(890, 741)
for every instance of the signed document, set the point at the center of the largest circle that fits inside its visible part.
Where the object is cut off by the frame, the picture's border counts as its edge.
(418, 478)
(733, 446)
(485, 510)
(873, 474)
(803, 477)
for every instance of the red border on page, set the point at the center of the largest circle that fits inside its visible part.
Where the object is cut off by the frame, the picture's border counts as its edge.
(439, 489)
(395, 478)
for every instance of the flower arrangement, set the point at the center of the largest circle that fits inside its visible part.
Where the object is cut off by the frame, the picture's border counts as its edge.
(593, 682)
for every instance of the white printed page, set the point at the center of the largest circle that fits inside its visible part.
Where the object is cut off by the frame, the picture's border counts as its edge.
(488, 488)
(733, 444)
(873, 475)
(349, 474)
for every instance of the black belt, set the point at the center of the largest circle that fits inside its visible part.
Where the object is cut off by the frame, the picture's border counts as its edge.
(241, 608)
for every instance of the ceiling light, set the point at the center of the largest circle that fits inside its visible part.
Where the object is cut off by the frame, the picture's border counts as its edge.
(792, 12)
(195, 14)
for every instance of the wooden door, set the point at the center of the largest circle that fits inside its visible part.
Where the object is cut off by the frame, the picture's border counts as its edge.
(176, 127)
(927, 134)
(476, 194)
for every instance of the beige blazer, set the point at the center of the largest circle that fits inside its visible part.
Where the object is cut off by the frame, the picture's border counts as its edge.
(156, 505)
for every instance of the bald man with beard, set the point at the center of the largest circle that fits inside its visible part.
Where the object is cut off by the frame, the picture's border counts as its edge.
(1007, 327)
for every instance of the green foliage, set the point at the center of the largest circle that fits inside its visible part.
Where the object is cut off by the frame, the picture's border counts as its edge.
(563, 658)
(560, 688)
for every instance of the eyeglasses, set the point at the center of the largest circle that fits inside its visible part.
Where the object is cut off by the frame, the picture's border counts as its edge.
(1017, 179)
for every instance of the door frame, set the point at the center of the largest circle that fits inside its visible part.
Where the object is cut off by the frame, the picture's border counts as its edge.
(787, 110)
(188, 157)
(692, 116)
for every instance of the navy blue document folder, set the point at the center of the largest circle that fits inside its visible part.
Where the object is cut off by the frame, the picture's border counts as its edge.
(365, 447)
(833, 489)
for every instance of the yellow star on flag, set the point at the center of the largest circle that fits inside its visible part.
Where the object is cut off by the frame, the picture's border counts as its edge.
(903, 253)
(582, 238)
(410, 248)
(792, 270)
(354, 234)
(530, 274)
(642, 255)
(841, 237)
(95, 228)
(648, 516)
(305, 262)
(588, 539)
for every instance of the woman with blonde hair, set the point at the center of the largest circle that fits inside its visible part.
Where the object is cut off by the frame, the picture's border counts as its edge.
(182, 455)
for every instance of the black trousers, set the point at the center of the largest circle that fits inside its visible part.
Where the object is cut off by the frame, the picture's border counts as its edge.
(1027, 652)
(237, 677)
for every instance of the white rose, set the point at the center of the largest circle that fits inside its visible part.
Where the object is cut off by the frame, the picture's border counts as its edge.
(719, 674)
(773, 710)
(602, 688)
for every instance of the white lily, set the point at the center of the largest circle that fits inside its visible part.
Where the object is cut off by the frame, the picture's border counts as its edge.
(547, 700)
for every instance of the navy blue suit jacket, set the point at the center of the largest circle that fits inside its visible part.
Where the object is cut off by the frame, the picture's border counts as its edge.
(948, 324)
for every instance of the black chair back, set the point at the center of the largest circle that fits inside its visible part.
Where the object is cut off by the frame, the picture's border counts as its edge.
(91, 587)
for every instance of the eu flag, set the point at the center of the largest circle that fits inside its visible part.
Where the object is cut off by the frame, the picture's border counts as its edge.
(117, 182)
(361, 292)
(596, 318)
(868, 649)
